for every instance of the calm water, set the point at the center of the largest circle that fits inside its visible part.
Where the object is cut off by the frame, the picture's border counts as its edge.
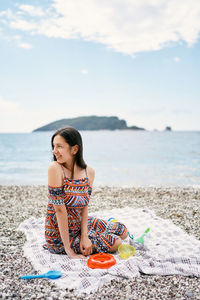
(120, 158)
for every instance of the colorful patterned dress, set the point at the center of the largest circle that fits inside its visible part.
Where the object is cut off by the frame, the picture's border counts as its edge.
(75, 194)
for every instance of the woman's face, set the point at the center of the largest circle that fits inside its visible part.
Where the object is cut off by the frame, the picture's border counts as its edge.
(63, 152)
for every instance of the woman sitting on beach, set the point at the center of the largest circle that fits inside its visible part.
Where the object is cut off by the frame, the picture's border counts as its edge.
(68, 229)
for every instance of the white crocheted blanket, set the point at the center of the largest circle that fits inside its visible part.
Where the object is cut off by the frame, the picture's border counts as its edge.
(169, 251)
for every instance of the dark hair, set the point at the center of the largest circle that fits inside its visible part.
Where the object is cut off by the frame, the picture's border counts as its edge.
(72, 137)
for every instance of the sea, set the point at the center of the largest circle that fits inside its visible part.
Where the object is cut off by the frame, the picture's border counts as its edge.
(121, 158)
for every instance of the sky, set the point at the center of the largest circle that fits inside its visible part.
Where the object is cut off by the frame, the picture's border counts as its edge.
(138, 60)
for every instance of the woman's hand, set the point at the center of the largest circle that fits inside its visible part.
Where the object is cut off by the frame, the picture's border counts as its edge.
(70, 252)
(85, 246)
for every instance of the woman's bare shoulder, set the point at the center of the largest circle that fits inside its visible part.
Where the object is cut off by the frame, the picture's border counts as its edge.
(90, 170)
(55, 174)
(54, 165)
(91, 175)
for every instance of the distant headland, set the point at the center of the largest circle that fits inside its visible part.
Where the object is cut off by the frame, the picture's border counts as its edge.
(89, 123)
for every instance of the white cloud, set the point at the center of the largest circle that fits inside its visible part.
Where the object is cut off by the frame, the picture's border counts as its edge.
(25, 46)
(23, 25)
(176, 59)
(6, 14)
(128, 27)
(32, 10)
(17, 39)
(84, 71)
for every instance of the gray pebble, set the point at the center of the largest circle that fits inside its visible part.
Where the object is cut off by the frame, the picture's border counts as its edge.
(189, 294)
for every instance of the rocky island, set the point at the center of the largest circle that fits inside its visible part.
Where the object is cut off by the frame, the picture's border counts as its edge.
(89, 123)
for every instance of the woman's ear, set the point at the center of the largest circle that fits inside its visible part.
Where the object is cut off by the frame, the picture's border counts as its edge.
(75, 149)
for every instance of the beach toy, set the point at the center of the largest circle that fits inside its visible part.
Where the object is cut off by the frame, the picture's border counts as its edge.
(50, 275)
(126, 250)
(140, 240)
(101, 261)
(131, 236)
(112, 220)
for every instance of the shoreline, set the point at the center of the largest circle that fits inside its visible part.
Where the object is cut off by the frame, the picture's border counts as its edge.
(19, 202)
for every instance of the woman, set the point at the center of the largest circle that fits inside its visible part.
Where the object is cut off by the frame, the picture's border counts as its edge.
(68, 229)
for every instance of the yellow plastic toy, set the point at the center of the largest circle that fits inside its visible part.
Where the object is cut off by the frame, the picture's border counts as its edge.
(112, 220)
(126, 250)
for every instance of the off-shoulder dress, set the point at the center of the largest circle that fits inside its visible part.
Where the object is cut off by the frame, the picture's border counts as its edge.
(75, 194)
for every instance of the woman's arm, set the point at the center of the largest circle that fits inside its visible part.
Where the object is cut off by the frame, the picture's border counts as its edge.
(91, 175)
(85, 243)
(55, 180)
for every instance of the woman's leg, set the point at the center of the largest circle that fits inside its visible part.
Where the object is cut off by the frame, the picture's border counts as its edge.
(115, 246)
(118, 242)
(106, 236)
(124, 235)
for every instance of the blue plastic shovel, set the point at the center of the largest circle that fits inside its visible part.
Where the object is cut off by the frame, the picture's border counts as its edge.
(50, 275)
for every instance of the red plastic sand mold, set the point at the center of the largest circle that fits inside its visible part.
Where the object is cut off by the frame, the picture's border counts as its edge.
(101, 261)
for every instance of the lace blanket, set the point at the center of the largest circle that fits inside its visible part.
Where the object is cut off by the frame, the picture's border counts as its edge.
(169, 251)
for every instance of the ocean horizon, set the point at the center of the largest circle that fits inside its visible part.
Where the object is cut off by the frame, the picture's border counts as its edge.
(120, 158)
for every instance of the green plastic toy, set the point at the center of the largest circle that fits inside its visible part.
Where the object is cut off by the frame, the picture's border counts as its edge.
(140, 240)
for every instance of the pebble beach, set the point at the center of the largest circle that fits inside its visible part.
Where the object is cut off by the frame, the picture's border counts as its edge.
(181, 205)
